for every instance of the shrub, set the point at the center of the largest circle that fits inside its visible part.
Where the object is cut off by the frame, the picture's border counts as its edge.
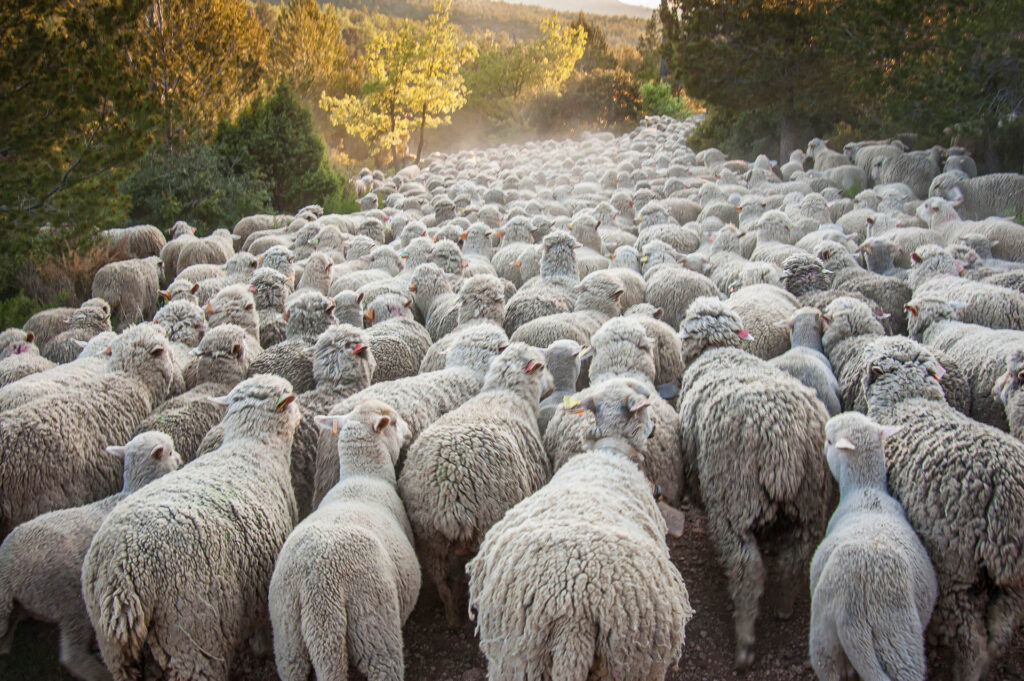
(274, 138)
(657, 100)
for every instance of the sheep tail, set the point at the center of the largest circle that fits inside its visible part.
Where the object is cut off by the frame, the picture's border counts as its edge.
(858, 644)
(326, 647)
(122, 618)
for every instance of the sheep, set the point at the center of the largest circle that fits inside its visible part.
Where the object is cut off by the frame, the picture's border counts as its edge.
(980, 352)
(214, 249)
(92, 360)
(221, 361)
(131, 287)
(307, 314)
(234, 507)
(825, 158)
(916, 169)
(181, 233)
(806, 361)
(622, 350)
(753, 434)
(41, 560)
(474, 463)
(23, 361)
(420, 399)
(347, 577)
(977, 198)
(594, 536)
(138, 241)
(85, 323)
(553, 290)
(481, 300)
(237, 270)
(670, 286)
(1007, 391)
(398, 342)
(564, 358)
(317, 273)
(666, 344)
(852, 328)
(348, 308)
(934, 275)
(180, 289)
(887, 293)
(762, 307)
(1006, 237)
(435, 300)
(235, 305)
(598, 298)
(873, 587)
(52, 447)
(961, 483)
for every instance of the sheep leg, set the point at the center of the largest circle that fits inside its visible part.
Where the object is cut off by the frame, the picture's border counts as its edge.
(439, 568)
(827, 656)
(1003, 617)
(75, 640)
(291, 655)
(793, 556)
(744, 568)
(963, 613)
(375, 635)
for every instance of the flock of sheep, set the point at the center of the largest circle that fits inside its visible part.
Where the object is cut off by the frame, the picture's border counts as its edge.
(506, 372)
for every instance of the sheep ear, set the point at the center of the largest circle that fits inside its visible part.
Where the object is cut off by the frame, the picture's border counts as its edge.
(915, 257)
(786, 323)
(407, 302)
(359, 298)
(157, 452)
(888, 431)
(221, 401)
(156, 352)
(675, 521)
(381, 423)
(29, 337)
(164, 294)
(195, 288)
(332, 422)
(845, 445)
(637, 403)
(659, 312)
(116, 451)
(80, 343)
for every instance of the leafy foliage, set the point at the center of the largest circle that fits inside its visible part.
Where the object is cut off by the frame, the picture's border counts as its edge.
(603, 98)
(307, 48)
(72, 119)
(194, 184)
(656, 99)
(273, 139)
(200, 59)
(411, 80)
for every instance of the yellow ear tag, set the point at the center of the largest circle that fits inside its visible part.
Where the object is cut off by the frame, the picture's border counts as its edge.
(570, 402)
(334, 427)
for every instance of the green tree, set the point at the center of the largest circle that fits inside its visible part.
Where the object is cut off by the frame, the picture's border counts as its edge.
(756, 54)
(596, 54)
(308, 49)
(73, 119)
(411, 80)
(194, 184)
(201, 59)
(657, 100)
(273, 138)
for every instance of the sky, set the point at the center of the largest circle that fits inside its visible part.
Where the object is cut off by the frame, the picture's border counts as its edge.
(643, 3)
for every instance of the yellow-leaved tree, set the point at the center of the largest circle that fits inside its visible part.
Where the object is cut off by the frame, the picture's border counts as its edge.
(411, 80)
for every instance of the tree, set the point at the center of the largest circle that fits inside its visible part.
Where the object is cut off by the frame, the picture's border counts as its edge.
(308, 49)
(438, 89)
(596, 54)
(201, 59)
(411, 79)
(273, 139)
(755, 54)
(73, 119)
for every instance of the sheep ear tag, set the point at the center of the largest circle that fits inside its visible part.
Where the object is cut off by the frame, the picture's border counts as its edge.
(284, 402)
(572, 405)
(675, 521)
(532, 366)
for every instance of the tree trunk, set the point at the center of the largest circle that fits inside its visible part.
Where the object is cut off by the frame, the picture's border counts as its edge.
(423, 125)
(787, 130)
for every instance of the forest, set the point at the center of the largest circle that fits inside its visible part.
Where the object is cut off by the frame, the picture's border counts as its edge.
(123, 112)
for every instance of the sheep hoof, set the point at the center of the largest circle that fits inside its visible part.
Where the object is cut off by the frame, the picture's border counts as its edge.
(744, 658)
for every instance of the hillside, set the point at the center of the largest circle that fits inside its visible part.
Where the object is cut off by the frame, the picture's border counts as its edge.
(601, 7)
(517, 21)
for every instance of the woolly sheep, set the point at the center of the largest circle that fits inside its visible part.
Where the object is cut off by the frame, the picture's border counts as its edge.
(21, 364)
(46, 324)
(976, 198)
(235, 305)
(474, 463)
(234, 507)
(41, 560)
(1006, 236)
(754, 436)
(762, 307)
(670, 286)
(214, 249)
(131, 287)
(873, 587)
(54, 446)
(622, 349)
(84, 324)
(563, 360)
(962, 484)
(553, 291)
(981, 353)
(806, 361)
(1007, 390)
(666, 344)
(422, 399)
(916, 169)
(593, 535)
(435, 300)
(138, 241)
(347, 577)
(398, 342)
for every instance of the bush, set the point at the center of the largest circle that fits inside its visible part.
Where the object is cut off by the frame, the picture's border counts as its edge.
(195, 185)
(274, 138)
(657, 100)
(598, 99)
